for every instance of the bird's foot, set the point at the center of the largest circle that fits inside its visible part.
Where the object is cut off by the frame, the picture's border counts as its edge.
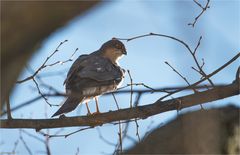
(89, 114)
(95, 113)
(62, 116)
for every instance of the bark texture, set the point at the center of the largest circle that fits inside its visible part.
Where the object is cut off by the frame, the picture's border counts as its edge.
(202, 132)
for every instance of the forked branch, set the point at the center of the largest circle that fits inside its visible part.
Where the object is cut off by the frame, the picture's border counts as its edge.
(141, 112)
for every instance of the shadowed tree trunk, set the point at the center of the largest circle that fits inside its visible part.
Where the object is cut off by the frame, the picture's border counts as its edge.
(212, 131)
(24, 25)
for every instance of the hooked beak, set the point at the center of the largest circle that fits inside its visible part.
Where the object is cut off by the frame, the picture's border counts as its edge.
(124, 52)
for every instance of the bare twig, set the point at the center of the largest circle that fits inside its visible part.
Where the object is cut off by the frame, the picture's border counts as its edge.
(64, 61)
(119, 145)
(131, 84)
(138, 84)
(120, 137)
(201, 13)
(24, 143)
(77, 153)
(200, 5)
(198, 44)
(208, 76)
(131, 96)
(138, 97)
(137, 130)
(40, 93)
(178, 40)
(175, 90)
(33, 136)
(142, 91)
(104, 139)
(126, 114)
(184, 78)
(67, 135)
(15, 146)
(43, 65)
(9, 116)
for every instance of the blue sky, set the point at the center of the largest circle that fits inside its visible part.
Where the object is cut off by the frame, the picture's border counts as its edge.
(219, 27)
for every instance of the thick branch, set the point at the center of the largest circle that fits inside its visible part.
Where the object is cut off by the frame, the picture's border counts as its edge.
(138, 91)
(141, 112)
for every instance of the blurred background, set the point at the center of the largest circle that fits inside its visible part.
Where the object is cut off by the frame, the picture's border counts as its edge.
(88, 29)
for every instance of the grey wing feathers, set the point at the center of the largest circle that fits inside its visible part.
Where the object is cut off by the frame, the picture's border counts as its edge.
(75, 67)
(93, 67)
(92, 71)
(100, 69)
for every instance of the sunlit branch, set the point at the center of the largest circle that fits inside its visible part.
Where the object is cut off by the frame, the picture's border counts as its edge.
(142, 91)
(140, 112)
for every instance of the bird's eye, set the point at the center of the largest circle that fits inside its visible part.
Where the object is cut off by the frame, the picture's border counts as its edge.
(118, 46)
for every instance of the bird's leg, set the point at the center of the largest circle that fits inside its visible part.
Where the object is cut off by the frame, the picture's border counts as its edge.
(97, 108)
(62, 116)
(89, 112)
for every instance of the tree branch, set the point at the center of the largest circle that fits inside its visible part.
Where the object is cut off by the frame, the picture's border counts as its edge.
(192, 52)
(141, 91)
(141, 112)
(201, 13)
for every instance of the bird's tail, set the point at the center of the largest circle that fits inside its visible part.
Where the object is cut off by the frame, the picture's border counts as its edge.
(69, 105)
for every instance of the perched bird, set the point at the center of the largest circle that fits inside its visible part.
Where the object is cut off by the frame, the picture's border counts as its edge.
(93, 75)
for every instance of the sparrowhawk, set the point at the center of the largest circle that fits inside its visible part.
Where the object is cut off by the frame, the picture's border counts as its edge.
(93, 75)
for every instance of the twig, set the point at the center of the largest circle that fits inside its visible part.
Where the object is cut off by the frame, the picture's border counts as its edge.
(43, 65)
(137, 126)
(137, 130)
(33, 136)
(119, 129)
(201, 13)
(198, 44)
(140, 112)
(200, 5)
(142, 91)
(24, 143)
(131, 96)
(104, 139)
(40, 93)
(184, 78)
(200, 67)
(138, 84)
(67, 135)
(178, 40)
(77, 153)
(64, 61)
(120, 137)
(208, 76)
(115, 101)
(131, 84)
(15, 146)
(9, 116)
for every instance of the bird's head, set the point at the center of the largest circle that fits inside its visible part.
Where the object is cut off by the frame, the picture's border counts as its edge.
(113, 50)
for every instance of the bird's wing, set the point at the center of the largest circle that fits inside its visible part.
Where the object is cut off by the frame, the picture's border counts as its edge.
(100, 69)
(92, 71)
(76, 66)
